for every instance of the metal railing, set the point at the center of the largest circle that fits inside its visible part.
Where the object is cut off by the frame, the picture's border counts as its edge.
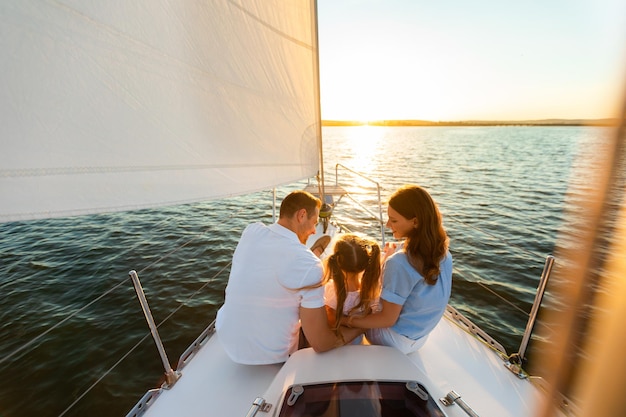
(340, 189)
(376, 216)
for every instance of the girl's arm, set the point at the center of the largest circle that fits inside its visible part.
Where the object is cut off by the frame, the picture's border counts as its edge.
(386, 318)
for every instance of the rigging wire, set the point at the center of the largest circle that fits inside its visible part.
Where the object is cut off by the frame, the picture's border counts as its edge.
(169, 316)
(483, 285)
(525, 250)
(76, 312)
(56, 325)
(11, 281)
(22, 350)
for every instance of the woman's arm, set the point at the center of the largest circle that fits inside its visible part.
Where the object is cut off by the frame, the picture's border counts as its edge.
(386, 318)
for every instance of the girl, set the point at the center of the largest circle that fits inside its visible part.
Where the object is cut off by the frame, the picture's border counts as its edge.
(352, 277)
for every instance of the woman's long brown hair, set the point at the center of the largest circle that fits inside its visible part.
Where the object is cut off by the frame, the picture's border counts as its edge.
(427, 244)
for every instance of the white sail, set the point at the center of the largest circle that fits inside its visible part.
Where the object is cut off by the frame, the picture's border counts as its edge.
(117, 105)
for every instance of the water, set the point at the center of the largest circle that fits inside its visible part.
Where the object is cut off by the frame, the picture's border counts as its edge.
(69, 314)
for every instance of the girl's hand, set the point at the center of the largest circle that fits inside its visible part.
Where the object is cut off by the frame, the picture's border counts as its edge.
(347, 320)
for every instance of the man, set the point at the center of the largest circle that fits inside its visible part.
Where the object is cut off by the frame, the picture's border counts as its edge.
(273, 290)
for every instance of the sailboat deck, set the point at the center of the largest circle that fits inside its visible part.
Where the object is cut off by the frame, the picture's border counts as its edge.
(450, 360)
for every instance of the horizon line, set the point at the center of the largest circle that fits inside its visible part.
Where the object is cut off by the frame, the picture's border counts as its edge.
(529, 122)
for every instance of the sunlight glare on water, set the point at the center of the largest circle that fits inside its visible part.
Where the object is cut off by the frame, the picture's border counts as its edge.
(365, 143)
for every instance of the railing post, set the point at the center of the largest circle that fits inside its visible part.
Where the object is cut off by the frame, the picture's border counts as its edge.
(545, 275)
(170, 376)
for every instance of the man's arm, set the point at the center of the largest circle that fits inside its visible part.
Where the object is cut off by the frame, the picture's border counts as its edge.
(331, 315)
(321, 338)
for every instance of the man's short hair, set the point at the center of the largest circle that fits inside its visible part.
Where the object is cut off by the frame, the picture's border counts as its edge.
(298, 200)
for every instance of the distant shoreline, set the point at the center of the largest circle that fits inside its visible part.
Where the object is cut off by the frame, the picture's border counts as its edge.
(544, 122)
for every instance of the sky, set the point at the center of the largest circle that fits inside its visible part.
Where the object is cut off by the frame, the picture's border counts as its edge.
(450, 60)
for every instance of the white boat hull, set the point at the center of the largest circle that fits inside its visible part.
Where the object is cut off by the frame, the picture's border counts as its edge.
(452, 359)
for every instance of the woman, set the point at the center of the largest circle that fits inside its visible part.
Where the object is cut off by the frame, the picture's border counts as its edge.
(417, 277)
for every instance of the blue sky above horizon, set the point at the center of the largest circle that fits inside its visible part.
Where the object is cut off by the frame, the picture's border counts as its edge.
(471, 60)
